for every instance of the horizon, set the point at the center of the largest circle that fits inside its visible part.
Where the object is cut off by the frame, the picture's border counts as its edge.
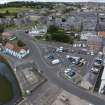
(7, 1)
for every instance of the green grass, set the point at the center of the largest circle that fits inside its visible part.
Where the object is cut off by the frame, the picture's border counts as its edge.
(13, 9)
(6, 93)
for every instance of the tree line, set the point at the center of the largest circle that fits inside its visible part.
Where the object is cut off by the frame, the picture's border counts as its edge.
(27, 4)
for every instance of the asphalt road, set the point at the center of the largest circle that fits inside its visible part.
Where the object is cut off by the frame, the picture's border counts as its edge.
(50, 73)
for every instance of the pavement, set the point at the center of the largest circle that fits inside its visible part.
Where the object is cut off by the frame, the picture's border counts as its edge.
(66, 98)
(50, 74)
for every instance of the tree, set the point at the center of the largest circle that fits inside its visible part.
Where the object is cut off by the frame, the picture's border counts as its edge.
(63, 20)
(57, 34)
(52, 29)
(1, 31)
(61, 37)
(7, 12)
(20, 43)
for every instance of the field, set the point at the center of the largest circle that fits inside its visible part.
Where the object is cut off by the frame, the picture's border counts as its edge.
(6, 93)
(13, 9)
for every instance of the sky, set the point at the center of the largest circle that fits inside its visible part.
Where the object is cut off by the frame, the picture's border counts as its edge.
(4, 1)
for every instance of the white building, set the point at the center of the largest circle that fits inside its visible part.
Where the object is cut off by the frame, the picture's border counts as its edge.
(38, 31)
(86, 34)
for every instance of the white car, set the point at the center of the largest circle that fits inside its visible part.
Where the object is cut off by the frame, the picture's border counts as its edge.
(92, 53)
(56, 61)
(67, 70)
(94, 69)
(60, 49)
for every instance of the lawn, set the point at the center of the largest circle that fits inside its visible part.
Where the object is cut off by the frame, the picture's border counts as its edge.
(6, 93)
(13, 9)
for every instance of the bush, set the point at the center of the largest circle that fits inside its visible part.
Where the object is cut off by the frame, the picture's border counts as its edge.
(52, 29)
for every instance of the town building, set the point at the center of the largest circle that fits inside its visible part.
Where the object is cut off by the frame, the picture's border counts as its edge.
(101, 34)
(86, 34)
(8, 36)
(94, 43)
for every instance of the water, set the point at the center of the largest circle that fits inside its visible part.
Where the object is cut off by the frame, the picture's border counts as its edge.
(6, 71)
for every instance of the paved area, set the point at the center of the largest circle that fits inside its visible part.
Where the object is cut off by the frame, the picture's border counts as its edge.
(50, 94)
(44, 95)
(28, 76)
(81, 71)
(65, 98)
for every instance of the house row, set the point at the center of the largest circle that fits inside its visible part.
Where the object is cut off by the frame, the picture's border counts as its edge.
(15, 51)
(16, 21)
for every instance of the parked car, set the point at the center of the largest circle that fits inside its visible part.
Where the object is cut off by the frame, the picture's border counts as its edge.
(51, 57)
(103, 90)
(70, 74)
(67, 70)
(55, 61)
(60, 49)
(80, 62)
(95, 69)
(74, 59)
(98, 62)
(26, 31)
(91, 53)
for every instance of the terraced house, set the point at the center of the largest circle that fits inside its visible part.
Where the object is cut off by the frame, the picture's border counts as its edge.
(15, 51)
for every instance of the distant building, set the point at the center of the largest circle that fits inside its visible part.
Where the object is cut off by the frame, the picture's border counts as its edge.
(86, 34)
(15, 51)
(80, 44)
(94, 43)
(38, 31)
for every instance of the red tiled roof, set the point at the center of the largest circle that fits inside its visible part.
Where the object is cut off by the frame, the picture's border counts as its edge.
(7, 34)
(13, 47)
